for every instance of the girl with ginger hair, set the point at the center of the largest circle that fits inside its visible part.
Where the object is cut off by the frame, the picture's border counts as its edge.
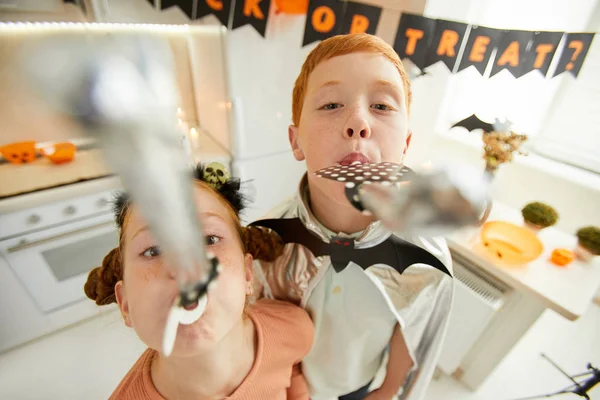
(236, 350)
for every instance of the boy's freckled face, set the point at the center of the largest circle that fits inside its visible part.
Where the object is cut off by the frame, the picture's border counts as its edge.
(354, 110)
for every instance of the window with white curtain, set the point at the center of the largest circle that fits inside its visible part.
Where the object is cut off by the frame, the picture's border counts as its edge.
(571, 130)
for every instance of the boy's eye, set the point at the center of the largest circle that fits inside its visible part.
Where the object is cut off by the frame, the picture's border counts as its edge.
(211, 240)
(381, 107)
(151, 252)
(331, 106)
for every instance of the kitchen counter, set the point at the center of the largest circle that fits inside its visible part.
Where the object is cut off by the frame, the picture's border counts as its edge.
(532, 288)
(207, 149)
(51, 238)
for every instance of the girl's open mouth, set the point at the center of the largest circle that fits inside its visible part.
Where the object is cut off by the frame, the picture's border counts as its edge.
(184, 316)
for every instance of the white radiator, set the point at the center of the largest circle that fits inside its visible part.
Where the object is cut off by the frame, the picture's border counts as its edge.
(476, 298)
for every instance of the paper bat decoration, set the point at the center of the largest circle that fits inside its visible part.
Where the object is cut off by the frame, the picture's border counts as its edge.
(473, 122)
(395, 252)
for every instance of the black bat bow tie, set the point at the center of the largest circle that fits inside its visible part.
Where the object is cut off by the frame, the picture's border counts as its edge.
(397, 253)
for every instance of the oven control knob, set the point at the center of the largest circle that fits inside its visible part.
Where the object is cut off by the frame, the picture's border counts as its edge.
(34, 219)
(102, 202)
(70, 210)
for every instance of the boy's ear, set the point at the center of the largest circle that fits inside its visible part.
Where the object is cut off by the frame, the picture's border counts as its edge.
(293, 132)
(408, 139)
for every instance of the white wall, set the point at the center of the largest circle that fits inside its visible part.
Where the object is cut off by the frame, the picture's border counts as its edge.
(262, 71)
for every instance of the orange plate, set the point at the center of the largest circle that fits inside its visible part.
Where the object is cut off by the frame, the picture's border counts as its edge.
(60, 153)
(510, 243)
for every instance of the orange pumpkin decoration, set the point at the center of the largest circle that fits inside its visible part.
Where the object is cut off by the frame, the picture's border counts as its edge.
(60, 153)
(291, 6)
(562, 257)
(19, 153)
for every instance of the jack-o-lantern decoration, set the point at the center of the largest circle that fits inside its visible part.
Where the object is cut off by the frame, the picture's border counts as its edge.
(295, 7)
(562, 257)
(19, 153)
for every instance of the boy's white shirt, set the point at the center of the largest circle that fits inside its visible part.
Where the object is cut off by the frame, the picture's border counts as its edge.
(355, 311)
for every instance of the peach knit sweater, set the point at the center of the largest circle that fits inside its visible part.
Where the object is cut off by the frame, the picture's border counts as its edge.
(285, 335)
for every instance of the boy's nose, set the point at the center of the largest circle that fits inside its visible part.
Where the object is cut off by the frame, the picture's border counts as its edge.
(357, 128)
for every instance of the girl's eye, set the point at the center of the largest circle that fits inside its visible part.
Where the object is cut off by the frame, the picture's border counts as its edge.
(211, 240)
(381, 107)
(151, 252)
(331, 106)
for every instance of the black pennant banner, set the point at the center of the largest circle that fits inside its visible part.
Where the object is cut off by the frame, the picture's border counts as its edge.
(253, 12)
(446, 43)
(479, 47)
(541, 51)
(187, 6)
(510, 52)
(323, 20)
(219, 8)
(360, 18)
(413, 38)
(574, 50)
(424, 41)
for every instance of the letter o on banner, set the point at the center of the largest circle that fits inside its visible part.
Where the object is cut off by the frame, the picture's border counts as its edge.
(323, 20)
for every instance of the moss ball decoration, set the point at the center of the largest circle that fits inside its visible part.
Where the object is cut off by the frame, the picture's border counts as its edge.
(539, 214)
(589, 238)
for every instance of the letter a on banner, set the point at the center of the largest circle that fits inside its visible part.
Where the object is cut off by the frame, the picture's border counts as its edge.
(510, 52)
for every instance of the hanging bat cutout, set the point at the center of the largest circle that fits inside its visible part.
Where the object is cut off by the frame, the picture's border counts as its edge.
(394, 252)
(473, 122)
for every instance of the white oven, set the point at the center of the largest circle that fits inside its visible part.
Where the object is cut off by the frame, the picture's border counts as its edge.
(52, 248)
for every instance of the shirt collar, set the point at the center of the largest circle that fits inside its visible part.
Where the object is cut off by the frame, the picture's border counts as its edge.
(374, 232)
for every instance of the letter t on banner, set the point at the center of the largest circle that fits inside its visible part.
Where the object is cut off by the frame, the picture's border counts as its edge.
(413, 37)
(541, 52)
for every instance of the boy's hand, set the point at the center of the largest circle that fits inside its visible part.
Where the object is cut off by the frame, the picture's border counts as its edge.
(381, 394)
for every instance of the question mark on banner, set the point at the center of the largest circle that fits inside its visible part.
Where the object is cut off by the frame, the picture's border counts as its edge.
(577, 45)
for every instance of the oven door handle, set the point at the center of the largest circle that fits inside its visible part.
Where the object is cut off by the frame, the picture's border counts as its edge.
(28, 245)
